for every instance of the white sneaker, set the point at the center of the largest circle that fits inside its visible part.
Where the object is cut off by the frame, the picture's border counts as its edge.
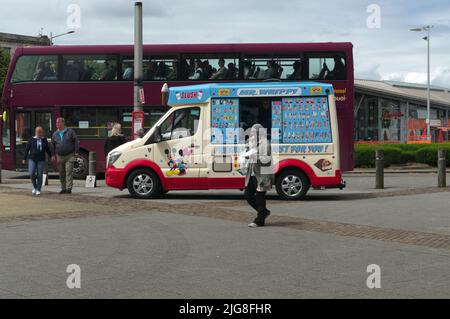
(38, 193)
(253, 225)
(33, 191)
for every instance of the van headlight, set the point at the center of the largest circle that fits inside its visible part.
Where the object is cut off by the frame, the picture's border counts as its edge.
(113, 157)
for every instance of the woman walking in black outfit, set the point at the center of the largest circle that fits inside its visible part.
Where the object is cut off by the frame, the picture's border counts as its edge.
(259, 175)
(35, 151)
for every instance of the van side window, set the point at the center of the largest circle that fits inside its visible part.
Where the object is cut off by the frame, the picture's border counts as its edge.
(180, 124)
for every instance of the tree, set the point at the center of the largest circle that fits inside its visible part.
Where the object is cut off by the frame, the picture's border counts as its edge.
(4, 63)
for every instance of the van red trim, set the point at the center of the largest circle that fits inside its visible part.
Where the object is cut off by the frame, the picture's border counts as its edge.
(115, 177)
(316, 181)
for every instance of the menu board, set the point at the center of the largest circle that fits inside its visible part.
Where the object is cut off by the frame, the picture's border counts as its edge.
(304, 120)
(277, 120)
(225, 121)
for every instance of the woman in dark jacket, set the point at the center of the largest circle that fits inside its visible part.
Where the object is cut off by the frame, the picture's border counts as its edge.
(259, 173)
(35, 152)
(115, 140)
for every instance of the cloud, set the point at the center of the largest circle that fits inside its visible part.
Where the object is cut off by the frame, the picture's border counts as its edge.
(440, 77)
(391, 51)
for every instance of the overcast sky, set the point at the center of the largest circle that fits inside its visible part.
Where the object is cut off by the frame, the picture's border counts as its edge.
(389, 52)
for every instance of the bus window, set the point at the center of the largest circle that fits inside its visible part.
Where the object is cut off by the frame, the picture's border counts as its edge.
(200, 67)
(90, 68)
(155, 68)
(329, 66)
(272, 67)
(96, 122)
(91, 122)
(35, 68)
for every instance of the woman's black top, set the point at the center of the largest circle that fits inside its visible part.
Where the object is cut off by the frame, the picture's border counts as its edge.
(36, 149)
(112, 142)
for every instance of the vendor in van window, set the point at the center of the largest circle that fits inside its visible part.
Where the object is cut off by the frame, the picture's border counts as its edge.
(264, 115)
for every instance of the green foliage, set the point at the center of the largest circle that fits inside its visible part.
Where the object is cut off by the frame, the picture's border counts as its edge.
(364, 157)
(428, 155)
(400, 154)
(4, 63)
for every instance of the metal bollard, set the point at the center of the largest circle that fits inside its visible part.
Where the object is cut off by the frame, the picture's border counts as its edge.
(379, 166)
(91, 178)
(92, 163)
(442, 169)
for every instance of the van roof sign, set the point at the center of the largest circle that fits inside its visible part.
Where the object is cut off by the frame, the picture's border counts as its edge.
(194, 94)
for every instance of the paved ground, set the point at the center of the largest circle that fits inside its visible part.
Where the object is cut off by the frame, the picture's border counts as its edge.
(196, 244)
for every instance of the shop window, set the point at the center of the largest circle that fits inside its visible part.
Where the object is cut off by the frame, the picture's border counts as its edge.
(367, 120)
(35, 68)
(390, 120)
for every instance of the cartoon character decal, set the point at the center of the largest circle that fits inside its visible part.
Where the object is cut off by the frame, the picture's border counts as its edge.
(178, 161)
(324, 165)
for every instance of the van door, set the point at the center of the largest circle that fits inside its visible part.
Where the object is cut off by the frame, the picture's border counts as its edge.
(179, 154)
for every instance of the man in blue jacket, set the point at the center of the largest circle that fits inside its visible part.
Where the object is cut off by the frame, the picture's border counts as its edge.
(65, 147)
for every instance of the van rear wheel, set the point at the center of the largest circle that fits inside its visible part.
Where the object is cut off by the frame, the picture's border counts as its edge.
(143, 184)
(292, 184)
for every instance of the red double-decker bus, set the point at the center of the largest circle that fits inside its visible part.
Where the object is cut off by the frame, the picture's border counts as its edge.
(92, 86)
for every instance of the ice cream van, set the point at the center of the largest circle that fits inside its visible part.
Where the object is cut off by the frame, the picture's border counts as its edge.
(197, 143)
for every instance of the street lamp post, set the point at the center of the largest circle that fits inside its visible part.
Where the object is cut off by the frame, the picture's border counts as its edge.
(427, 38)
(138, 56)
(59, 35)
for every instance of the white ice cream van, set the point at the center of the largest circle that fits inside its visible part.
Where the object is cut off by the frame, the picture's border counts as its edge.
(196, 144)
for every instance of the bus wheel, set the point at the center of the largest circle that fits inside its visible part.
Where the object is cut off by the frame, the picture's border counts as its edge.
(80, 166)
(143, 184)
(292, 184)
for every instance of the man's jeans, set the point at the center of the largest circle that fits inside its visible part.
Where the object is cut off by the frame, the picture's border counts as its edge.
(65, 165)
(36, 170)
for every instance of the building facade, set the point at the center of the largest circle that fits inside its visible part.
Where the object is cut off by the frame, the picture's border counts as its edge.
(387, 111)
(10, 42)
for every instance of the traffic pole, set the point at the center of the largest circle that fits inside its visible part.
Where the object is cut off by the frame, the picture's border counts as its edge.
(138, 56)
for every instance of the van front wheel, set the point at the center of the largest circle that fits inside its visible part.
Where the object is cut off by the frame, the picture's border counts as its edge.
(292, 185)
(143, 184)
